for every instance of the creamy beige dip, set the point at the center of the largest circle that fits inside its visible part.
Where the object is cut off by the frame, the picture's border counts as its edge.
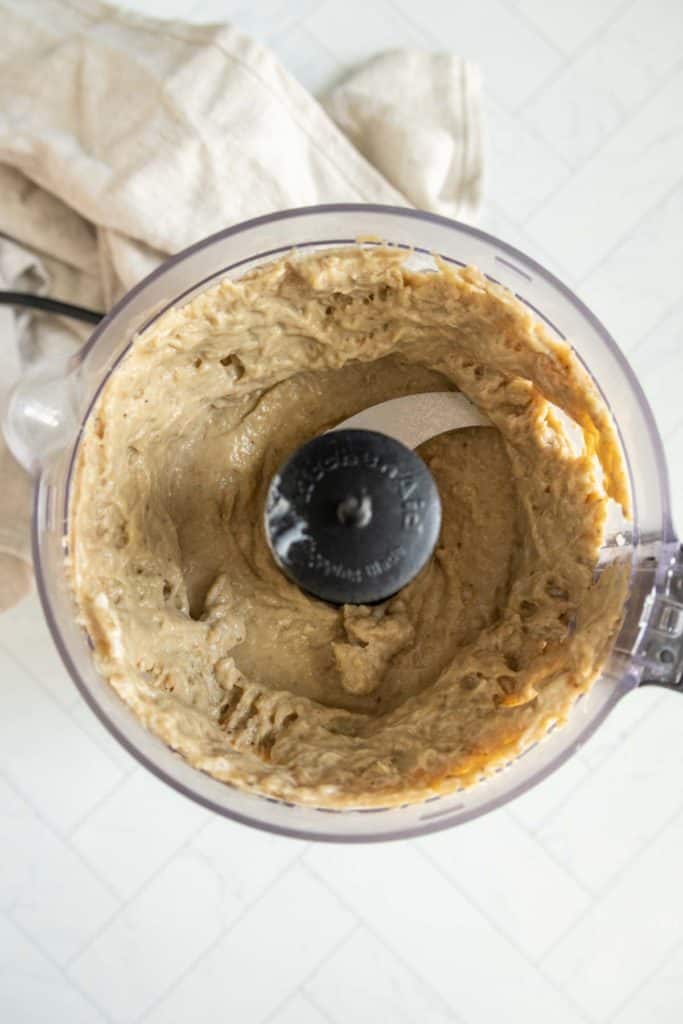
(267, 688)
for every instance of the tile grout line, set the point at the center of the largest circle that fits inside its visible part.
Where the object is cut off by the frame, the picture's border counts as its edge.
(662, 201)
(543, 256)
(587, 157)
(654, 326)
(572, 58)
(425, 33)
(342, 67)
(339, 68)
(535, 134)
(223, 932)
(676, 946)
(297, 23)
(435, 41)
(534, 964)
(317, 1006)
(425, 982)
(552, 857)
(51, 697)
(630, 117)
(314, 970)
(592, 769)
(61, 839)
(98, 804)
(126, 901)
(538, 31)
(614, 880)
(289, 24)
(532, 831)
(72, 981)
(673, 431)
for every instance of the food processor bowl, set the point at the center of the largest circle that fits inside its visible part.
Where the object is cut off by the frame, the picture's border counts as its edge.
(48, 412)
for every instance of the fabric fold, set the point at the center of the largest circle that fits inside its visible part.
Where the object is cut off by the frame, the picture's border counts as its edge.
(124, 139)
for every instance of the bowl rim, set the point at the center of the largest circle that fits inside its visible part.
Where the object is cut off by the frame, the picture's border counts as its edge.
(424, 827)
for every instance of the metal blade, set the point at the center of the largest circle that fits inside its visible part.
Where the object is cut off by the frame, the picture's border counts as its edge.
(413, 419)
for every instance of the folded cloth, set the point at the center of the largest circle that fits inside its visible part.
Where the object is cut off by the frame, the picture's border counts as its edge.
(124, 139)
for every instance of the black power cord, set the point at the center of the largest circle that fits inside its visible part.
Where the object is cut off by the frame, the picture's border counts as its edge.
(45, 305)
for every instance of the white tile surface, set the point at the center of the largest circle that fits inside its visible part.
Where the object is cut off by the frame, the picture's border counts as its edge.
(244, 861)
(265, 20)
(121, 902)
(384, 27)
(299, 1010)
(90, 724)
(609, 78)
(661, 348)
(608, 195)
(627, 933)
(260, 961)
(502, 869)
(26, 637)
(437, 930)
(152, 939)
(616, 810)
(523, 170)
(569, 25)
(514, 57)
(135, 830)
(64, 785)
(371, 984)
(660, 997)
(309, 60)
(34, 990)
(634, 312)
(54, 897)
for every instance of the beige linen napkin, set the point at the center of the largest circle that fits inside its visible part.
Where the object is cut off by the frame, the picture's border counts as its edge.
(124, 139)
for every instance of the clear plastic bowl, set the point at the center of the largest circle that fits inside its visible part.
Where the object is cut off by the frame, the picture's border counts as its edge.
(44, 426)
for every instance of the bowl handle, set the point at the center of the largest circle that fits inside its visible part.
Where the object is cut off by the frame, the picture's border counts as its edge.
(660, 643)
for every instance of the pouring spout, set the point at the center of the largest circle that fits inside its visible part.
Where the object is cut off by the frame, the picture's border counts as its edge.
(39, 417)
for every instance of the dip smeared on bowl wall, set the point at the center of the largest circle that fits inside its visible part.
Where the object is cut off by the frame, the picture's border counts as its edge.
(265, 687)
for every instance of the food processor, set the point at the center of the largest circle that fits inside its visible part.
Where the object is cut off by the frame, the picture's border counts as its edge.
(48, 410)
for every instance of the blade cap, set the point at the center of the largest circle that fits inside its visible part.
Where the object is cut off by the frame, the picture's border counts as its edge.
(352, 516)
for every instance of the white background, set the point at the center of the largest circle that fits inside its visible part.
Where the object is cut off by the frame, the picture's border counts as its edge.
(121, 901)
